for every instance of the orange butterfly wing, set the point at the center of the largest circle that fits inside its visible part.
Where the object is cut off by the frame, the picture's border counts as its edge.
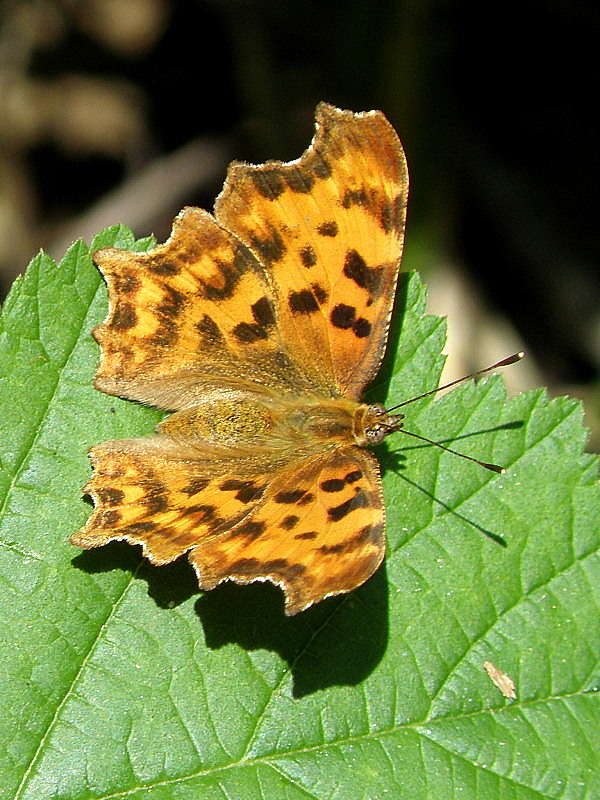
(287, 526)
(186, 316)
(330, 228)
(319, 531)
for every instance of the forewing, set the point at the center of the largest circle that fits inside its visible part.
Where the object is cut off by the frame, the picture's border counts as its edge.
(329, 229)
(319, 531)
(187, 315)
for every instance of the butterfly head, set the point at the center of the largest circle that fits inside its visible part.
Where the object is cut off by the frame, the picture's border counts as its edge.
(377, 423)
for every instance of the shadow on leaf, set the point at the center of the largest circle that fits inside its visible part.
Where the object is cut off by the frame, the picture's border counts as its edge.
(495, 537)
(337, 642)
(168, 585)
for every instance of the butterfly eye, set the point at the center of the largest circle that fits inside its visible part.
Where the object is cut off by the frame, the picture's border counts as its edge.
(380, 424)
(377, 433)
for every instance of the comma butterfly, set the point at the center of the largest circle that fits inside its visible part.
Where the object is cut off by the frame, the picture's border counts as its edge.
(260, 327)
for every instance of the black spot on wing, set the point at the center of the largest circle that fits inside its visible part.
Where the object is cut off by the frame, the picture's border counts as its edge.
(109, 496)
(392, 215)
(353, 476)
(246, 567)
(328, 229)
(165, 335)
(356, 268)
(195, 486)
(290, 497)
(361, 328)
(387, 213)
(337, 484)
(139, 528)
(159, 266)
(172, 303)
(283, 567)
(155, 503)
(207, 515)
(220, 287)
(195, 248)
(343, 316)
(359, 500)
(289, 522)
(270, 247)
(355, 197)
(245, 491)
(268, 182)
(252, 567)
(298, 180)
(168, 311)
(250, 528)
(332, 549)
(205, 510)
(124, 318)
(302, 302)
(126, 283)
(308, 535)
(127, 354)
(109, 518)
(308, 257)
(262, 312)
(249, 332)
(319, 292)
(333, 485)
(317, 165)
(209, 330)
(243, 259)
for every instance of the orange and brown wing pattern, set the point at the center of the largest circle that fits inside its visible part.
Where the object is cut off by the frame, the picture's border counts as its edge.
(329, 229)
(190, 312)
(319, 531)
(168, 503)
(315, 527)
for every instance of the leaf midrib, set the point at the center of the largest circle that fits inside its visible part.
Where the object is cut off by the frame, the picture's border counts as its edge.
(350, 740)
(69, 690)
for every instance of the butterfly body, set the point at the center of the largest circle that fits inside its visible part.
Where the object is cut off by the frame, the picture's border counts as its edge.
(259, 422)
(260, 327)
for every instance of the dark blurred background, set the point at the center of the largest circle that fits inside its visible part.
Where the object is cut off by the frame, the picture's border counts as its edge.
(126, 110)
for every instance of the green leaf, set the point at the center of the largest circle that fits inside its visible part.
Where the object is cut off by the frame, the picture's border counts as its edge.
(122, 680)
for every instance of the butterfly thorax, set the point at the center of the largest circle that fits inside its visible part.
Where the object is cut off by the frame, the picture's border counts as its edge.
(241, 419)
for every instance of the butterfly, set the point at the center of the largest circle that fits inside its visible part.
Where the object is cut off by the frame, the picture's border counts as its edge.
(259, 327)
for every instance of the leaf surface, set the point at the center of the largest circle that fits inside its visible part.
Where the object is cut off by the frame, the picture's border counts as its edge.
(122, 680)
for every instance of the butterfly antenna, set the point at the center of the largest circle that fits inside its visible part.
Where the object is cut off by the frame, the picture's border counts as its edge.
(492, 467)
(504, 363)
